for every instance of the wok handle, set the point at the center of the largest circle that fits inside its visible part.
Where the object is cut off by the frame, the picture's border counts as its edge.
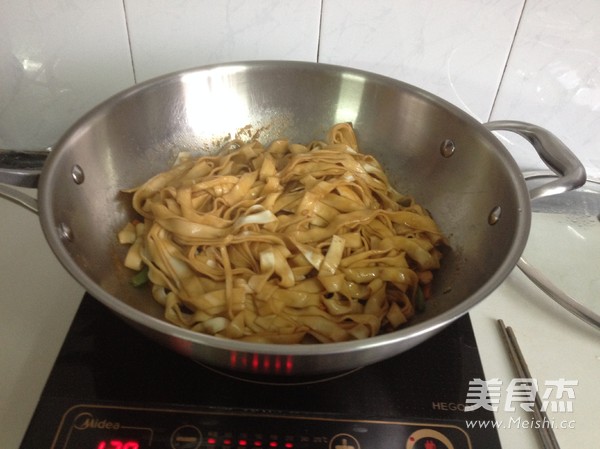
(555, 154)
(21, 169)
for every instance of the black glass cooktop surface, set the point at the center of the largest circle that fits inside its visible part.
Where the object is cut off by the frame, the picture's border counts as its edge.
(112, 388)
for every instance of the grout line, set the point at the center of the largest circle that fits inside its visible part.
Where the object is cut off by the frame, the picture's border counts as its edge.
(512, 44)
(319, 31)
(129, 42)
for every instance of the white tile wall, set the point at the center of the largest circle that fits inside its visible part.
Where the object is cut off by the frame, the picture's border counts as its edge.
(553, 77)
(57, 60)
(533, 60)
(171, 35)
(455, 49)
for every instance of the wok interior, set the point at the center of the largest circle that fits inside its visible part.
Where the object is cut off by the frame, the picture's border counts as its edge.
(138, 134)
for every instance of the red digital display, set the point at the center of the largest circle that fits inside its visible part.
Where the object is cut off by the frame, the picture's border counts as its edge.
(118, 444)
(262, 363)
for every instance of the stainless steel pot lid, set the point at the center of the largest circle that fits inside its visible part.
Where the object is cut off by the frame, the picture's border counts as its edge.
(562, 256)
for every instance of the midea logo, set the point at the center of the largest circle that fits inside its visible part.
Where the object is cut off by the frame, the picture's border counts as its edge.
(86, 420)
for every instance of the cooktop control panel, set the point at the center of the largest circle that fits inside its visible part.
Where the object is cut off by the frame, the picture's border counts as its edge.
(116, 427)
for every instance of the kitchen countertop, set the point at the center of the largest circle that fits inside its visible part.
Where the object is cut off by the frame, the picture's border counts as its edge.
(39, 300)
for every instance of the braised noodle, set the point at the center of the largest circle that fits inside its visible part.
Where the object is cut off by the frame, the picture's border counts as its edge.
(283, 244)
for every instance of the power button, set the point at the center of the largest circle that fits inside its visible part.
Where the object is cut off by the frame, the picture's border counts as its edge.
(186, 437)
(428, 439)
(343, 441)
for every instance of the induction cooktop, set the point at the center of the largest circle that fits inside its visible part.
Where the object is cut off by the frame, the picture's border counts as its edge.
(112, 388)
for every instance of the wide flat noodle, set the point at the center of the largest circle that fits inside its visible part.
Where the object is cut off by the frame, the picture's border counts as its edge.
(283, 244)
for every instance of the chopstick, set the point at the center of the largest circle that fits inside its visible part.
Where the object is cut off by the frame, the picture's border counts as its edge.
(546, 433)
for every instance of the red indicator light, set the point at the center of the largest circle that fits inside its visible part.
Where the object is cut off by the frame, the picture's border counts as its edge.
(255, 362)
(272, 443)
(257, 443)
(289, 445)
(242, 443)
(118, 444)
(289, 364)
(227, 442)
(211, 440)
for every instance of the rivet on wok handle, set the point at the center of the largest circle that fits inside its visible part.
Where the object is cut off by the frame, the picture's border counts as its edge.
(65, 232)
(77, 174)
(447, 148)
(494, 216)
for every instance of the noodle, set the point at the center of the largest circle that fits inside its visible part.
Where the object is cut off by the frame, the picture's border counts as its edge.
(283, 244)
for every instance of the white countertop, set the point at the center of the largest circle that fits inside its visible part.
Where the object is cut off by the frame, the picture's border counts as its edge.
(38, 300)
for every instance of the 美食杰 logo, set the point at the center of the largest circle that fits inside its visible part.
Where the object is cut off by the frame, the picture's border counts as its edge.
(555, 395)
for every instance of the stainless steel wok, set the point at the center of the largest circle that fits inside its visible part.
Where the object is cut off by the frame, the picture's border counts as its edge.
(432, 150)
